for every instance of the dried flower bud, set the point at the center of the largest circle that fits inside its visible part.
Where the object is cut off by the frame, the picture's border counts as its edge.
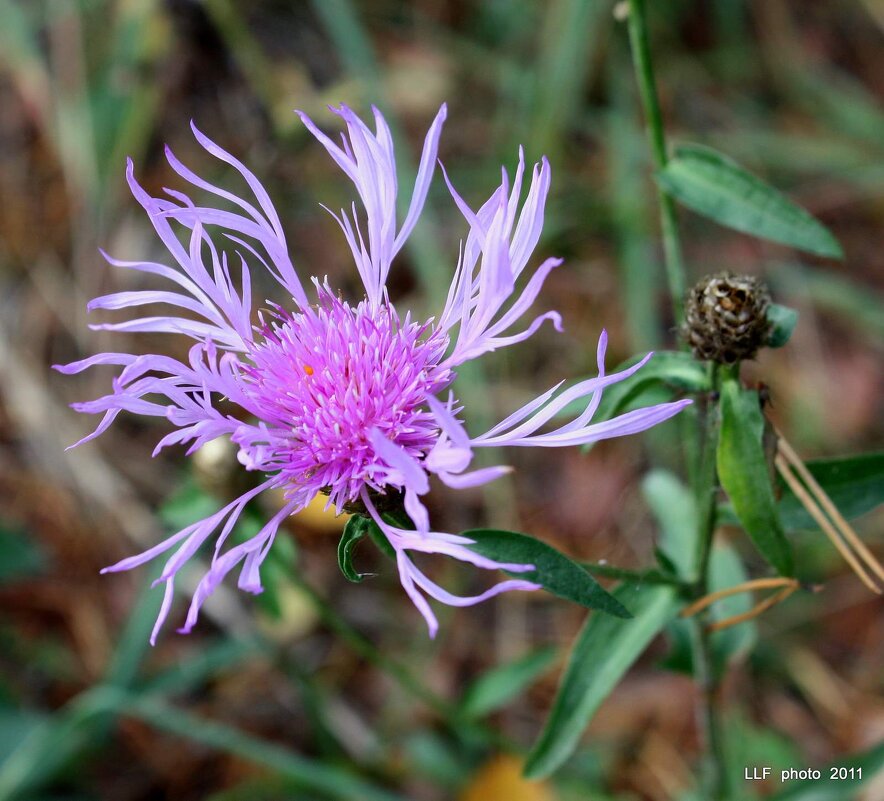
(726, 317)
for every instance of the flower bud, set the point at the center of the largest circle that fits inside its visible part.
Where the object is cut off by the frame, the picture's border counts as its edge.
(726, 318)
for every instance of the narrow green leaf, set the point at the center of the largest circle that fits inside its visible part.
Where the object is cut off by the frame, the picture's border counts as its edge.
(354, 531)
(16, 725)
(674, 508)
(854, 483)
(783, 321)
(672, 371)
(497, 686)
(725, 570)
(603, 651)
(730, 645)
(380, 539)
(717, 187)
(744, 474)
(869, 763)
(211, 661)
(552, 569)
(437, 757)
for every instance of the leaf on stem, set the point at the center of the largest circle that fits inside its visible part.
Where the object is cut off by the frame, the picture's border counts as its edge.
(554, 571)
(354, 531)
(744, 475)
(715, 186)
(492, 690)
(674, 508)
(603, 651)
(667, 374)
(855, 485)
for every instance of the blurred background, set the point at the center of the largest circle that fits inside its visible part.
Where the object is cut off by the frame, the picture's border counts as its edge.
(326, 689)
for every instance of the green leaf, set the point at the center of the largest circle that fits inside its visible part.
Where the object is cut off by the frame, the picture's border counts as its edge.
(380, 539)
(432, 755)
(674, 508)
(354, 531)
(783, 321)
(603, 651)
(552, 569)
(725, 570)
(744, 474)
(677, 372)
(854, 483)
(718, 188)
(497, 686)
(871, 762)
(17, 725)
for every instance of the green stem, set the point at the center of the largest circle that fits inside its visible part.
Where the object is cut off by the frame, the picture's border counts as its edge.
(708, 713)
(644, 72)
(706, 481)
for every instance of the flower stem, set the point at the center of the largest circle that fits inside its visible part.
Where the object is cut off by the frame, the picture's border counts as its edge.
(644, 72)
(715, 784)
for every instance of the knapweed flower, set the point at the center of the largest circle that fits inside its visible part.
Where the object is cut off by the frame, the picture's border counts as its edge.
(352, 399)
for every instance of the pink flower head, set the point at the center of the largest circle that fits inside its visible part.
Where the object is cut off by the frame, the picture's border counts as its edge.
(353, 400)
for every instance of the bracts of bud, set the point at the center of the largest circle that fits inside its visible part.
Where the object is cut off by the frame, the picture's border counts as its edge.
(726, 318)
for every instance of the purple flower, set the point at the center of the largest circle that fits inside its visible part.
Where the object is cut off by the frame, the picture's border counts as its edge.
(351, 400)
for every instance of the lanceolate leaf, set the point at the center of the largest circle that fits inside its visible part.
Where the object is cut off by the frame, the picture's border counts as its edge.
(717, 187)
(604, 650)
(855, 484)
(669, 370)
(495, 688)
(356, 528)
(725, 570)
(744, 474)
(675, 511)
(554, 571)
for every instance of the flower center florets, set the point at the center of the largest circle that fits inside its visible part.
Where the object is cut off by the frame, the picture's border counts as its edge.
(324, 378)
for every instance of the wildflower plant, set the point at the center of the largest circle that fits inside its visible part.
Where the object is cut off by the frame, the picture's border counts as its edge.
(351, 399)
(356, 401)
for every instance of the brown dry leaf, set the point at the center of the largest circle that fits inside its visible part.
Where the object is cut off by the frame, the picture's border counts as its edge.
(502, 778)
